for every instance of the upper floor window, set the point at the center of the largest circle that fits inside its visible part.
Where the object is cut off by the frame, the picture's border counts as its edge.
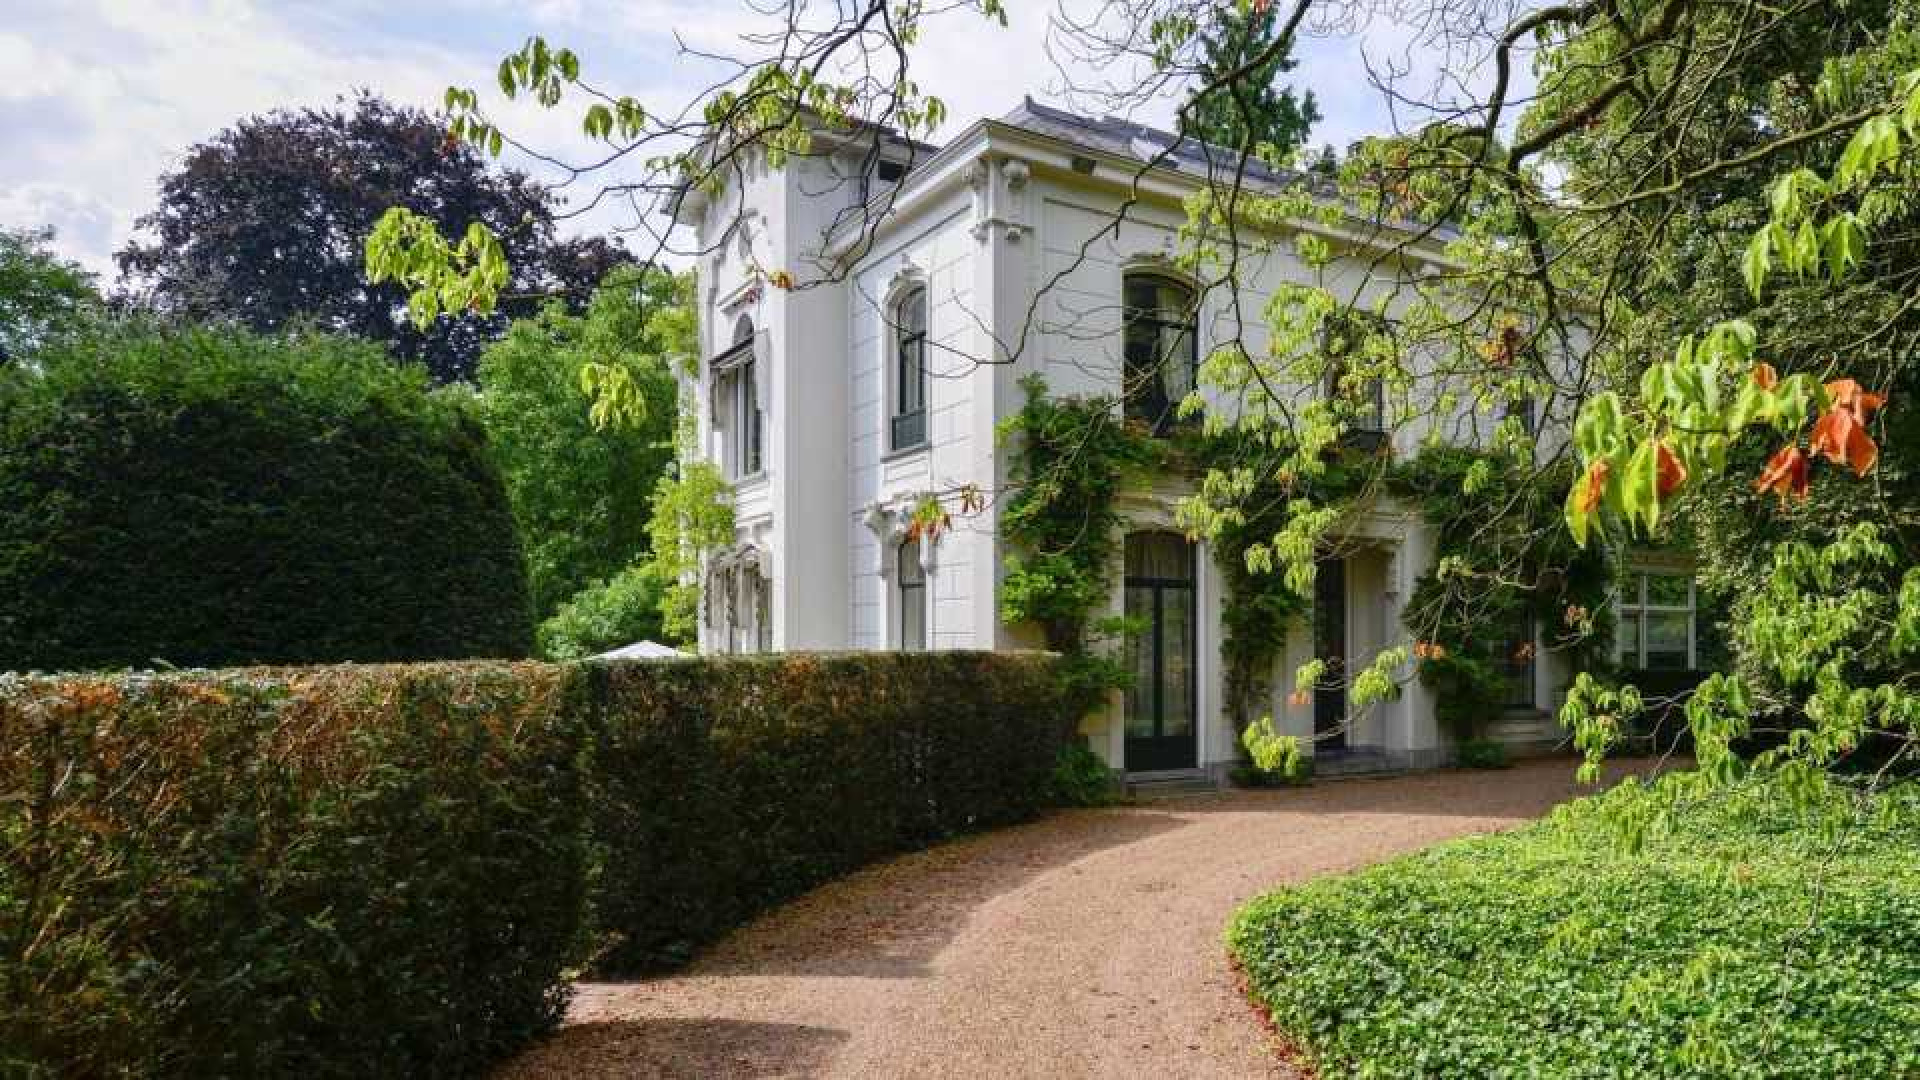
(1657, 615)
(737, 389)
(1344, 338)
(912, 578)
(1161, 348)
(908, 422)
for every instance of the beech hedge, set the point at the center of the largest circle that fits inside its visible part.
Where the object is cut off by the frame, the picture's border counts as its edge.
(389, 870)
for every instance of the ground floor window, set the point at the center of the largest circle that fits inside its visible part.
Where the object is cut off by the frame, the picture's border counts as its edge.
(1513, 657)
(912, 579)
(1160, 706)
(1658, 616)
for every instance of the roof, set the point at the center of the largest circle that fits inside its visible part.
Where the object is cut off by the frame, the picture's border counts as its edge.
(1125, 138)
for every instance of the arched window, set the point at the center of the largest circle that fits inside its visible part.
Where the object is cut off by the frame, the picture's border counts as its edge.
(1161, 348)
(908, 425)
(912, 581)
(1160, 705)
(738, 408)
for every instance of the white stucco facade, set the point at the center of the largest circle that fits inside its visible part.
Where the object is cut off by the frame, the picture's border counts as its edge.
(1008, 233)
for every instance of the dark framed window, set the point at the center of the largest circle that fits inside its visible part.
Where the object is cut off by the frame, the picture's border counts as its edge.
(1657, 621)
(908, 424)
(1161, 710)
(912, 579)
(1343, 338)
(740, 389)
(1161, 348)
(1513, 657)
(1525, 410)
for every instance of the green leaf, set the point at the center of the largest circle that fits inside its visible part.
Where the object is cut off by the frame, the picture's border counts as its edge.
(1845, 242)
(507, 83)
(1757, 263)
(1578, 520)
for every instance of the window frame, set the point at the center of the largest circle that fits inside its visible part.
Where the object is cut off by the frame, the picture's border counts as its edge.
(737, 369)
(1157, 320)
(1373, 421)
(910, 595)
(908, 429)
(1639, 609)
(1521, 675)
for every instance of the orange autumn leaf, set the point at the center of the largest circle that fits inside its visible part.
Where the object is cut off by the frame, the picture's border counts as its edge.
(1764, 376)
(1671, 472)
(1785, 474)
(1848, 395)
(1596, 485)
(1842, 437)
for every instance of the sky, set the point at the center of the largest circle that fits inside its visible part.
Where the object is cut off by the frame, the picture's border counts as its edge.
(103, 96)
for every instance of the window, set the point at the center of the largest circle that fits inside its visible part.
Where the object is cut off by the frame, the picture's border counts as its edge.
(734, 378)
(1365, 401)
(909, 420)
(1524, 409)
(1513, 657)
(1161, 711)
(1161, 349)
(912, 578)
(745, 608)
(1656, 630)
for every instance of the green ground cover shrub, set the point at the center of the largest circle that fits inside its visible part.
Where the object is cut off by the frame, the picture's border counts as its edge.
(388, 871)
(726, 785)
(1747, 941)
(326, 872)
(207, 497)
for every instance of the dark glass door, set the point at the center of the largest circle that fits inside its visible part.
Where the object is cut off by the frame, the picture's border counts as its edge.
(1160, 710)
(1330, 646)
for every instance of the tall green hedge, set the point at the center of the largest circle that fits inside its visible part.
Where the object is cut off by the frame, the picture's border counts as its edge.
(385, 871)
(330, 872)
(725, 786)
(212, 497)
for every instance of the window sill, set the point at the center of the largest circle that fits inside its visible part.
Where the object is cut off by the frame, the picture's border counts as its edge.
(904, 452)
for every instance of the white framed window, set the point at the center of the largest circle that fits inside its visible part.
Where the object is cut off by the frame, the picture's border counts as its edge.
(1658, 620)
(907, 416)
(910, 583)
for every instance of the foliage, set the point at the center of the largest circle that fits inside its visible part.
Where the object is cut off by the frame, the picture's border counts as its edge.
(724, 785)
(1276, 758)
(42, 296)
(1554, 951)
(1467, 692)
(1481, 754)
(1082, 778)
(320, 872)
(1071, 459)
(375, 870)
(692, 511)
(581, 490)
(214, 497)
(605, 615)
(262, 223)
(1254, 114)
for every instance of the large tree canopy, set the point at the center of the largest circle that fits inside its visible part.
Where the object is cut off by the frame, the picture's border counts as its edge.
(263, 224)
(41, 295)
(581, 491)
(1254, 111)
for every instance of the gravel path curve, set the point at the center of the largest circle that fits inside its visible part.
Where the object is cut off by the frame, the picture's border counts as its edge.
(1087, 944)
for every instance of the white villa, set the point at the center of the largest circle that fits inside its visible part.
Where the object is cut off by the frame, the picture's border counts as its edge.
(835, 407)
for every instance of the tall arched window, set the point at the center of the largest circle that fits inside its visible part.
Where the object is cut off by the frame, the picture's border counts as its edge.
(912, 580)
(1161, 348)
(738, 400)
(908, 424)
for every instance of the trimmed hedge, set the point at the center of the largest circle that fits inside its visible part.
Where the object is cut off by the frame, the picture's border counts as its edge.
(207, 497)
(725, 786)
(1751, 941)
(364, 871)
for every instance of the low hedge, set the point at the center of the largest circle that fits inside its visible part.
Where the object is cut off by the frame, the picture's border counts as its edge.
(387, 870)
(1748, 942)
(724, 787)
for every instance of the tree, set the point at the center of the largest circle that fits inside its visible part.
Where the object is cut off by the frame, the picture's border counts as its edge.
(41, 295)
(262, 224)
(1254, 111)
(210, 497)
(581, 492)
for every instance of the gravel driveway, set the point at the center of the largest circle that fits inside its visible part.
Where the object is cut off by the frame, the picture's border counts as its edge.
(1087, 944)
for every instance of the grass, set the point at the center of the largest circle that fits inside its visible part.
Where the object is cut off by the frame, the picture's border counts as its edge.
(1748, 939)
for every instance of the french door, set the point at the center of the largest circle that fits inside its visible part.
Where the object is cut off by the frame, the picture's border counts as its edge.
(1330, 647)
(1160, 708)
